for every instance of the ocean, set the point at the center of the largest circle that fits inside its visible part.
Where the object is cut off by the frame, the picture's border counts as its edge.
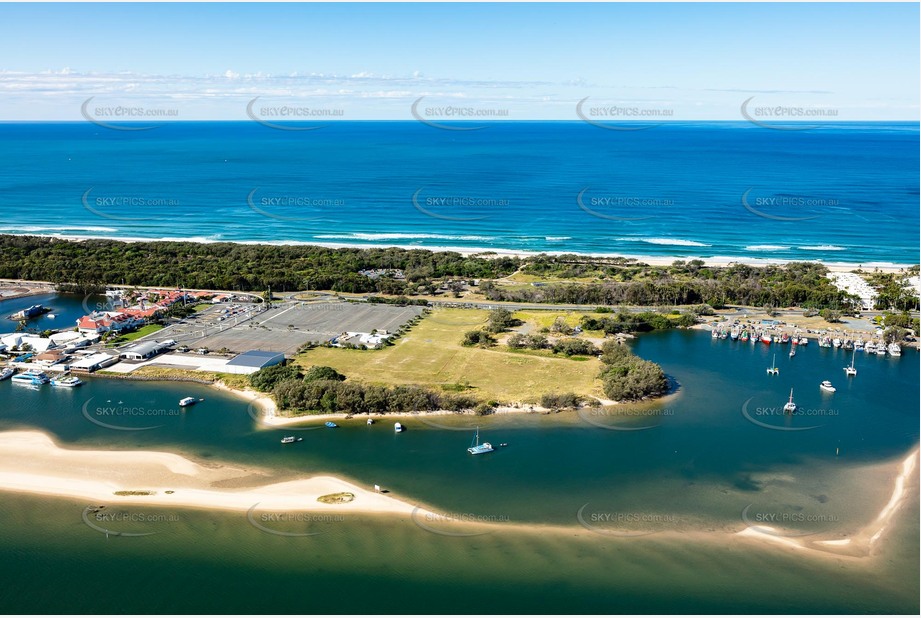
(703, 462)
(844, 192)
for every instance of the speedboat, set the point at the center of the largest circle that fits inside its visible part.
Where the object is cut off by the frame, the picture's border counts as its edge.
(6, 373)
(734, 333)
(187, 401)
(790, 407)
(370, 421)
(766, 338)
(68, 381)
(827, 387)
(290, 439)
(397, 428)
(477, 448)
(784, 338)
(31, 376)
(331, 424)
(744, 336)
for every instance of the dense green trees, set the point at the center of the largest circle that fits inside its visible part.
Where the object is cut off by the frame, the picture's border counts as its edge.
(626, 377)
(229, 266)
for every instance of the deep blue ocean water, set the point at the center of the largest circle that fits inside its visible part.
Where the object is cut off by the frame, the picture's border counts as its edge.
(844, 192)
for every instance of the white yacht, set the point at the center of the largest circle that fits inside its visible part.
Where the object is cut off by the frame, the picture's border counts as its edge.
(477, 448)
(31, 376)
(397, 428)
(790, 407)
(187, 401)
(827, 387)
(894, 349)
(850, 371)
(6, 373)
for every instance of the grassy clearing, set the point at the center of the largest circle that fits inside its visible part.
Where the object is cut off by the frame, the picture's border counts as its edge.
(143, 331)
(232, 380)
(431, 355)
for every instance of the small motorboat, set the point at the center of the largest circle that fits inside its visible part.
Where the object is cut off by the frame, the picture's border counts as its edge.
(291, 439)
(397, 428)
(187, 401)
(6, 373)
(803, 341)
(370, 421)
(792, 353)
(331, 424)
(827, 387)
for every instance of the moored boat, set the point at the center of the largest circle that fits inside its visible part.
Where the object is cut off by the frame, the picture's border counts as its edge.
(803, 341)
(290, 439)
(790, 407)
(478, 449)
(744, 336)
(851, 371)
(32, 377)
(67, 381)
(397, 427)
(331, 424)
(7, 373)
(187, 401)
(827, 387)
(766, 338)
(894, 349)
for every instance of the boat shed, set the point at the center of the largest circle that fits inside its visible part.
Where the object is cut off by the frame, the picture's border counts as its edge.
(143, 351)
(254, 360)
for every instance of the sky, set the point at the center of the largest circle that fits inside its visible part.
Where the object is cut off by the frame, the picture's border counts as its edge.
(459, 61)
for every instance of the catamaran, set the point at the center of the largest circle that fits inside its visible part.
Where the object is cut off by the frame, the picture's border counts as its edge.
(477, 448)
(850, 371)
(790, 406)
(773, 370)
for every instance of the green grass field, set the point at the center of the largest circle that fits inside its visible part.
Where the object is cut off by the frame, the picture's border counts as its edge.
(431, 355)
(141, 332)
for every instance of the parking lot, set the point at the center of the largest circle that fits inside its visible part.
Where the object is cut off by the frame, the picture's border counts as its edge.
(289, 326)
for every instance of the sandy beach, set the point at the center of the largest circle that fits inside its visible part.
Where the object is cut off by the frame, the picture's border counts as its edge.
(31, 462)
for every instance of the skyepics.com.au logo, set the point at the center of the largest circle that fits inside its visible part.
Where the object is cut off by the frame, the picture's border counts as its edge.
(459, 207)
(783, 117)
(619, 207)
(293, 207)
(438, 114)
(624, 523)
(290, 523)
(786, 206)
(124, 416)
(125, 116)
(627, 417)
(786, 416)
(291, 115)
(455, 524)
(622, 116)
(117, 206)
(768, 520)
(125, 523)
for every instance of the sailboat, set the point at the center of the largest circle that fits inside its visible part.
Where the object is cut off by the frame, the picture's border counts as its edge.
(478, 449)
(790, 406)
(773, 370)
(850, 371)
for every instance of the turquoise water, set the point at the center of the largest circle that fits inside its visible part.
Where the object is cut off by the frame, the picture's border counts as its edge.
(66, 309)
(844, 192)
(696, 467)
